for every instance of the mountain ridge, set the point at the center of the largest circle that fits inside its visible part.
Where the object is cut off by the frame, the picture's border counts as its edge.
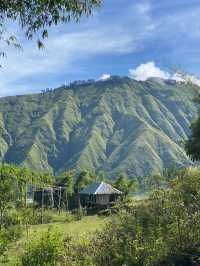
(114, 125)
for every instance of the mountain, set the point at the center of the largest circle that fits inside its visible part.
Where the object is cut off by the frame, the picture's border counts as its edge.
(114, 125)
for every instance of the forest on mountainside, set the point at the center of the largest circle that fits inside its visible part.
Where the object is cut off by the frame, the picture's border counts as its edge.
(112, 126)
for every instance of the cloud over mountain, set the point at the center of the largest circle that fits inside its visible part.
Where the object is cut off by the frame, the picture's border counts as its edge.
(104, 77)
(148, 70)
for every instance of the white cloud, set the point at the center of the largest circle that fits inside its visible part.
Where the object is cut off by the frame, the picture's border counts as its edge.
(104, 77)
(150, 70)
(178, 76)
(147, 70)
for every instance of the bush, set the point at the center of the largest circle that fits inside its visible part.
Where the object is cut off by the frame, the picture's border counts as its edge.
(161, 231)
(78, 253)
(8, 236)
(47, 250)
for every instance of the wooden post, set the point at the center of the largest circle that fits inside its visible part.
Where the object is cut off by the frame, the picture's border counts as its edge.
(59, 202)
(66, 201)
(79, 206)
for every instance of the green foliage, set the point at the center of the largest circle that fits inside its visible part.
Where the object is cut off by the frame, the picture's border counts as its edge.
(193, 144)
(74, 255)
(33, 217)
(124, 184)
(35, 17)
(7, 190)
(119, 125)
(8, 236)
(14, 213)
(84, 179)
(161, 231)
(155, 181)
(67, 179)
(46, 250)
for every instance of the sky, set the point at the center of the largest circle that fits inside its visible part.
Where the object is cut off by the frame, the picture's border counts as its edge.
(137, 38)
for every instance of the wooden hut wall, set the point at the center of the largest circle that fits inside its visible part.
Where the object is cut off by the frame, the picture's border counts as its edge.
(102, 199)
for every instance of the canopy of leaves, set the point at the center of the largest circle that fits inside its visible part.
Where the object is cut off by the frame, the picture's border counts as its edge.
(193, 144)
(36, 16)
(124, 184)
(83, 179)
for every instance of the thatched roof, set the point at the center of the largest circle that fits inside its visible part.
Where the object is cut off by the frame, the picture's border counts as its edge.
(100, 189)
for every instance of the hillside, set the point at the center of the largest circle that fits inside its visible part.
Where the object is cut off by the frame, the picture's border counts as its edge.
(115, 125)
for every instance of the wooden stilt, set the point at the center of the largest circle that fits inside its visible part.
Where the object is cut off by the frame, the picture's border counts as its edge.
(59, 203)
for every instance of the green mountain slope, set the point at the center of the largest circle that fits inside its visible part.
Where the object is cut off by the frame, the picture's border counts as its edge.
(114, 125)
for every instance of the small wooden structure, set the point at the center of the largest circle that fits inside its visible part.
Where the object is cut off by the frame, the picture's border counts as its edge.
(99, 194)
(51, 197)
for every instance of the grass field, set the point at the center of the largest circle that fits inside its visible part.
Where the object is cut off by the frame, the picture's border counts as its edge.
(81, 230)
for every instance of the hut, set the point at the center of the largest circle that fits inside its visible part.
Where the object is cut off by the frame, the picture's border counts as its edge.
(99, 194)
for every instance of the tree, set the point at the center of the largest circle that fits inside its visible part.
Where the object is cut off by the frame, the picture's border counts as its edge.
(7, 189)
(170, 172)
(193, 144)
(155, 181)
(83, 179)
(124, 184)
(23, 178)
(36, 16)
(67, 180)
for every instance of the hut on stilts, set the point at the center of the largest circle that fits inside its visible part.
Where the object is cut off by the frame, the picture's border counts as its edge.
(99, 195)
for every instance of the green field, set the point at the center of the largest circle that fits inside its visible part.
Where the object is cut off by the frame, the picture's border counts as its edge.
(80, 230)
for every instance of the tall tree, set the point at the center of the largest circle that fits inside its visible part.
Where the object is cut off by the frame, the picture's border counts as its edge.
(193, 143)
(67, 180)
(124, 184)
(83, 179)
(7, 189)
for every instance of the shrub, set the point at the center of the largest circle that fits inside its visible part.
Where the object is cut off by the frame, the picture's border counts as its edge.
(78, 253)
(47, 250)
(163, 231)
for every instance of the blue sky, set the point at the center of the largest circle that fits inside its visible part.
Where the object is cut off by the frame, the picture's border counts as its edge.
(121, 35)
